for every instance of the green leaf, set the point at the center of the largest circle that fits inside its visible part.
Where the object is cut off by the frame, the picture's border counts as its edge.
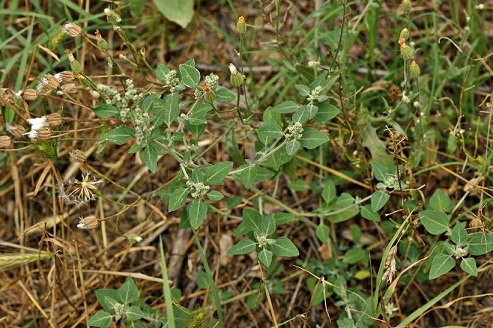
(177, 11)
(292, 147)
(276, 159)
(120, 135)
(322, 232)
(161, 71)
(469, 266)
(196, 213)
(215, 174)
(381, 172)
(377, 147)
(100, 319)
(368, 213)
(133, 313)
(439, 201)
(329, 191)
(265, 257)
(252, 220)
(268, 132)
(355, 255)
(440, 265)
(304, 90)
(128, 292)
(198, 115)
(106, 111)
(248, 174)
(298, 185)
(480, 243)
(378, 200)
(286, 107)
(224, 95)
(177, 198)
(244, 246)
(190, 76)
(150, 156)
(435, 222)
(166, 110)
(346, 202)
(326, 112)
(284, 247)
(215, 195)
(313, 138)
(268, 224)
(107, 298)
(459, 234)
(283, 218)
(302, 114)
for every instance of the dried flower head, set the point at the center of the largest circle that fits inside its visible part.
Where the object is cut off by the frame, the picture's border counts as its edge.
(54, 119)
(65, 76)
(5, 141)
(72, 29)
(28, 94)
(78, 193)
(390, 267)
(48, 83)
(78, 156)
(16, 130)
(89, 222)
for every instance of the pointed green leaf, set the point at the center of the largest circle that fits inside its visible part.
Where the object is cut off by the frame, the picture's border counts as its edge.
(244, 246)
(268, 132)
(166, 110)
(268, 224)
(440, 265)
(286, 107)
(100, 319)
(215, 174)
(439, 201)
(313, 138)
(177, 198)
(248, 174)
(292, 147)
(120, 135)
(468, 265)
(368, 213)
(265, 257)
(161, 71)
(134, 313)
(176, 11)
(459, 234)
(378, 200)
(150, 156)
(190, 76)
(326, 112)
(322, 232)
(224, 95)
(480, 243)
(435, 222)
(284, 247)
(128, 292)
(106, 111)
(196, 213)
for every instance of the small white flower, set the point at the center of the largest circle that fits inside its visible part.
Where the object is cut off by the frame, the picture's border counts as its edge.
(232, 69)
(33, 134)
(37, 123)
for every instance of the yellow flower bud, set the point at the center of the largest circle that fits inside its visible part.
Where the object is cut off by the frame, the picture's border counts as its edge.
(414, 69)
(406, 5)
(406, 52)
(240, 25)
(404, 34)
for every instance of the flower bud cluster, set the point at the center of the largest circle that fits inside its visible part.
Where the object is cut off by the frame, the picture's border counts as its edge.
(199, 189)
(142, 125)
(125, 102)
(295, 130)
